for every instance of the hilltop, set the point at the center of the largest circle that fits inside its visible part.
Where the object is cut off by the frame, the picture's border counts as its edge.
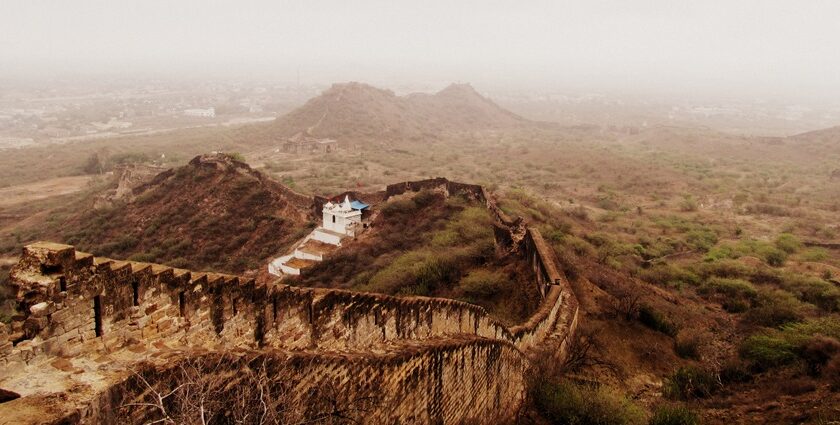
(215, 212)
(356, 110)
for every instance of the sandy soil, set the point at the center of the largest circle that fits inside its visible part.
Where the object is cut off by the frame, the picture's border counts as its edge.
(19, 194)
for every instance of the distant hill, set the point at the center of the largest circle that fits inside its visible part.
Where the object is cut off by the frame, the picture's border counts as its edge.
(821, 145)
(355, 110)
(831, 134)
(215, 213)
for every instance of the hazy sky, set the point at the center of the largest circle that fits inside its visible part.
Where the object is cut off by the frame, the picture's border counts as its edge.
(745, 46)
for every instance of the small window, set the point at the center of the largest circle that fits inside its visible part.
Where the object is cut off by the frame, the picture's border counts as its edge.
(97, 315)
(333, 219)
(135, 288)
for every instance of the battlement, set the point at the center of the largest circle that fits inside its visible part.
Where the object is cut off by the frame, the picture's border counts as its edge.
(72, 305)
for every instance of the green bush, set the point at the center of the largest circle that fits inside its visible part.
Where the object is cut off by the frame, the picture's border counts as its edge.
(580, 247)
(417, 273)
(767, 350)
(783, 346)
(656, 321)
(473, 223)
(446, 238)
(674, 415)
(483, 283)
(670, 275)
(688, 204)
(720, 252)
(399, 206)
(774, 257)
(775, 308)
(731, 287)
(566, 403)
(236, 156)
(788, 243)
(701, 239)
(812, 290)
(691, 382)
(723, 268)
(815, 254)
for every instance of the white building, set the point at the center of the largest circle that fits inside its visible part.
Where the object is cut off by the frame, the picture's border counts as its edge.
(339, 221)
(341, 218)
(204, 113)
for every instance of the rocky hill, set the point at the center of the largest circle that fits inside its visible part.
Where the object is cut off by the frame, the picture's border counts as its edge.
(355, 110)
(214, 213)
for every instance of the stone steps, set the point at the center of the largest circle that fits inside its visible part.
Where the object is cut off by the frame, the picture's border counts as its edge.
(309, 252)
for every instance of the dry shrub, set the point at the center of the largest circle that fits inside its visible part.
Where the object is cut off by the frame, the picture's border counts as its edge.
(796, 387)
(674, 415)
(818, 351)
(568, 403)
(483, 283)
(626, 306)
(227, 388)
(831, 373)
(735, 371)
(657, 321)
(687, 345)
(691, 382)
(585, 353)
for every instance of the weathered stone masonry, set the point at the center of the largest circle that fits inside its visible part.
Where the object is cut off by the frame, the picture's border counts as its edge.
(443, 361)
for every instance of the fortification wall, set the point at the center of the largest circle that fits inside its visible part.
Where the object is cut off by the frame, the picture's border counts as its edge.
(436, 353)
(70, 298)
(451, 382)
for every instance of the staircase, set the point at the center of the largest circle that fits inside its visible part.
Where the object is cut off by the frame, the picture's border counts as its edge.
(307, 253)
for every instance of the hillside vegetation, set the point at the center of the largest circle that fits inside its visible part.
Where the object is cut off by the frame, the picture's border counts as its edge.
(706, 264)
(429, 245)
(213, 214)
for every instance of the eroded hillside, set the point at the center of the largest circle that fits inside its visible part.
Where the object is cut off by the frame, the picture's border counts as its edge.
(214, 213)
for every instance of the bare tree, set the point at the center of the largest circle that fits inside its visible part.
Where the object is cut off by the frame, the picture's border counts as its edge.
(230, 389)
(585, 352)
(626, 305)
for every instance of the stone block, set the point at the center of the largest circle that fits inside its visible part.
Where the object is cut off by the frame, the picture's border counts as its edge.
(165, 324)
(157, 315)
(42, 309)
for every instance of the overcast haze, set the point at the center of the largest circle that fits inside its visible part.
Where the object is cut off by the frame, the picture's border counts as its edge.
(772, 48)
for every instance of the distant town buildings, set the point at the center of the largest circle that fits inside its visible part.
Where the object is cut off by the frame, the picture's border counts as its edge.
(198, 112)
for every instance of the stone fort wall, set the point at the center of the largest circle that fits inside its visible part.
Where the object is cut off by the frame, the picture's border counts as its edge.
(448, 361)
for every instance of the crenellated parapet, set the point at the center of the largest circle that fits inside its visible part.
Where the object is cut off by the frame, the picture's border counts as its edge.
(450, 360)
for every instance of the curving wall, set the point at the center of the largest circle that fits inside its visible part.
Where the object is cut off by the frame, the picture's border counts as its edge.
(445, 361)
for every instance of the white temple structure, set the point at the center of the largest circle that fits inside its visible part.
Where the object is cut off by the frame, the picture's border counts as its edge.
(341, 218)
(339, 221)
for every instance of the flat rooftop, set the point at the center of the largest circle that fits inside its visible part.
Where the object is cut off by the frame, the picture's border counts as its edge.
(316, 247)
(297, 263)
